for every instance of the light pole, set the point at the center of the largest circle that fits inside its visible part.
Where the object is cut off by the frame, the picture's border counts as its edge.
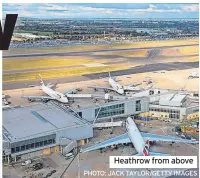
(79, 174)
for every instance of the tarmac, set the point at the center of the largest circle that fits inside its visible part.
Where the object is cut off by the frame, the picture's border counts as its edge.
(171, 66)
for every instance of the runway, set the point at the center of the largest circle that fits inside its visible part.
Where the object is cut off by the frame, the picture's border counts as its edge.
(81, 53)
(135, 70)
(147, 68)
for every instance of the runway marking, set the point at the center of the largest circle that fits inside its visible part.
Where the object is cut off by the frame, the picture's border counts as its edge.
(94, 65)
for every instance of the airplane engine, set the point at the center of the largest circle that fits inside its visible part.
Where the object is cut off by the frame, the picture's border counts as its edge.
(30, 100)
(106, 91)
(44, 101)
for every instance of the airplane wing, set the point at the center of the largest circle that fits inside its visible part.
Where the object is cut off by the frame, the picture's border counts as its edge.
(129, 88)
(52, 86)
(34, 86)
(156, 137)
(79, 95)
(37, 97)
(150, 86)
(98, 87)
(71, 91)
(134, 84)
(124, 138)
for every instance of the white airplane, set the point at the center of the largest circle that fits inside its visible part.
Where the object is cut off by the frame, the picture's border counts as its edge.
(194, 75)
(52, 94)
(64, 97)
(140, 140)
(117, 87)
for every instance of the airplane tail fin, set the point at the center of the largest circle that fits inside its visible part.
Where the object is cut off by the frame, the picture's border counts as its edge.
(41, 81)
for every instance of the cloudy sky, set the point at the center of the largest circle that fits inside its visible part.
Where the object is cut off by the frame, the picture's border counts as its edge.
(86, 11)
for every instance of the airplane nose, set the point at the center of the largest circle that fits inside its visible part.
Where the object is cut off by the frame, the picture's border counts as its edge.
(121, 91)
(65, 100)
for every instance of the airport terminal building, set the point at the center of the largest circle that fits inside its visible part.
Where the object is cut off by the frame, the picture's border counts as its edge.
(115, 109)
(44, 128)
(41, 129)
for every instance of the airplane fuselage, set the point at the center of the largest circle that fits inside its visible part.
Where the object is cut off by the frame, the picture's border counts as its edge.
(136, 137)
(55, 95)
(117, 87)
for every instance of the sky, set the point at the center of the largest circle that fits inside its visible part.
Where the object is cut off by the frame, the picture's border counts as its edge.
(99, 10)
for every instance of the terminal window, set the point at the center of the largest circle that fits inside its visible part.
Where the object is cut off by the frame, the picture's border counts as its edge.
(108, 111)
(138, 105)
(33, 143)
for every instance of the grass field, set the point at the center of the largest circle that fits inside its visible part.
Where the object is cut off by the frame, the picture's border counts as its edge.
(34, 63)
(99, 47)
(41, 33)
(137, 53)
(189, 50)
(47, 62)
(59, 73)
(193, 59)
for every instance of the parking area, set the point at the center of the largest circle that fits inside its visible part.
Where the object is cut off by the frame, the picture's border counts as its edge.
(49, 166)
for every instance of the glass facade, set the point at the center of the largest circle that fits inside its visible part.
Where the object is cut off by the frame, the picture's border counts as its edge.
(108, 111)
(33, 143)
(196, 110)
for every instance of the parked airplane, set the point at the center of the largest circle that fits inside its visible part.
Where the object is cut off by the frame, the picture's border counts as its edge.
(52, 94)
(140, 140)
(194, 75)
(117, 87)
(64, 97)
